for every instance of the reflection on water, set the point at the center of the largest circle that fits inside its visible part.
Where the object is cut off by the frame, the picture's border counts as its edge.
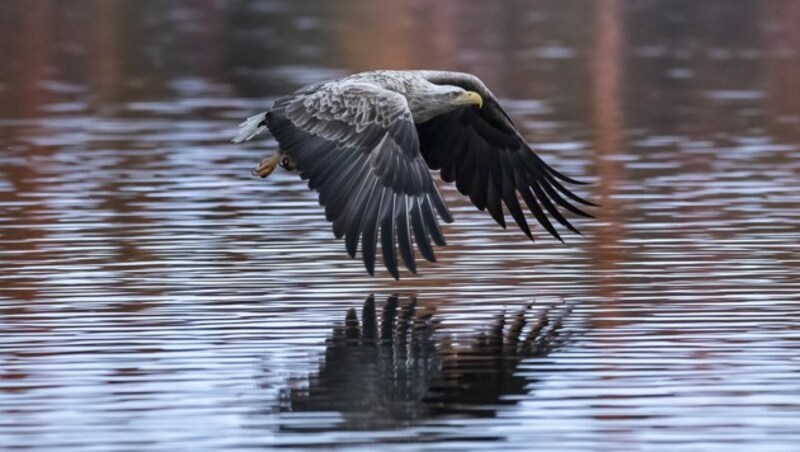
(393, 370)
(155, 296)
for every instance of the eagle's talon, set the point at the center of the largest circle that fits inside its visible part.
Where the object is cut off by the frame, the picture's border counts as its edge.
(266, 166)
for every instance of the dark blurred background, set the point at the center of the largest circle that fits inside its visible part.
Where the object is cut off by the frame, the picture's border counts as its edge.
(667, 55)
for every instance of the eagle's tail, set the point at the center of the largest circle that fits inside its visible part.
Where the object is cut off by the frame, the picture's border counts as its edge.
(251, 127)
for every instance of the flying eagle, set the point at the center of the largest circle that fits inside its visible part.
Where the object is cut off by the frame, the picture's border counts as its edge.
(367, 142)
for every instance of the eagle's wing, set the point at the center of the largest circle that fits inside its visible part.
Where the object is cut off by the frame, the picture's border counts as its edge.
(489, 161)
(357, 145)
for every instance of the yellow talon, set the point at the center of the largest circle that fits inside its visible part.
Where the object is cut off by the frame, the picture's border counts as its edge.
(267, 166)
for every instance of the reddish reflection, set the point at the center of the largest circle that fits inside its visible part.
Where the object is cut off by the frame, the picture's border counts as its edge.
(25, 37)
(609, 144)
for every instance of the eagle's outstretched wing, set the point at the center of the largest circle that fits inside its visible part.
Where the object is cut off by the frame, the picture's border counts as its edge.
(490, 162)
(357, 145)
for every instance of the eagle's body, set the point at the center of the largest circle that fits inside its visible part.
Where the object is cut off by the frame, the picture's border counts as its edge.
(366, 142)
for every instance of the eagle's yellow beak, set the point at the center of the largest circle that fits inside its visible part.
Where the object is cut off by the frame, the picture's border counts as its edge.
(472, 98)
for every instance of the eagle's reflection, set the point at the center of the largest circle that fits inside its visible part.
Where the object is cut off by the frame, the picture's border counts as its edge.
(397, 369)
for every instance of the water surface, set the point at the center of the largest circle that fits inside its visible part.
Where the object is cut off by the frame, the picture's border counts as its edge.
(155, 296)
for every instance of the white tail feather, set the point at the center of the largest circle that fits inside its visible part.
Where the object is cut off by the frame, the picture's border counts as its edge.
(251, 127)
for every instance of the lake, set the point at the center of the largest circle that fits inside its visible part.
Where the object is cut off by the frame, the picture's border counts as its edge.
(156, 296)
